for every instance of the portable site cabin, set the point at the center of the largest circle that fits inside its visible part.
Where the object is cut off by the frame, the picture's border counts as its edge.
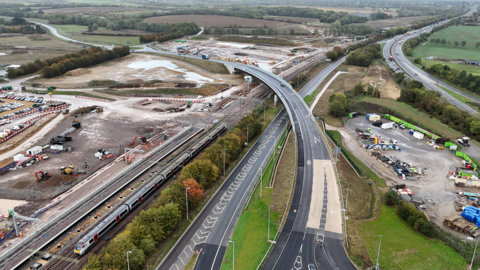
(34, 151)
(353, 114)
(373, 117)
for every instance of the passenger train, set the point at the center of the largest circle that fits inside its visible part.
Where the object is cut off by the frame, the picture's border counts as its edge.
(119, 214)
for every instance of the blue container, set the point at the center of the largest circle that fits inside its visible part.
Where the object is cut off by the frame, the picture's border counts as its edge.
(411, 132)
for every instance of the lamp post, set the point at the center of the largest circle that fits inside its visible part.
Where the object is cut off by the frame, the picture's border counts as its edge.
(186, 199)
(128, 263)
(233, 254)
(264, 106)
(247, 133)
(475, 250)
(269, 221)
(224, 161)
(378, 255)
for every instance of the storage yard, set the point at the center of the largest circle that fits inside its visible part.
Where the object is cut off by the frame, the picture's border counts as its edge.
(431, 171)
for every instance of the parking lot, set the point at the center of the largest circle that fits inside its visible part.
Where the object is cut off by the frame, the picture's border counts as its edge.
(11, 105)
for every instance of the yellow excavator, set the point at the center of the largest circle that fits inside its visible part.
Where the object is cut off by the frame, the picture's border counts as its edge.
(99, 109)
(67, 170)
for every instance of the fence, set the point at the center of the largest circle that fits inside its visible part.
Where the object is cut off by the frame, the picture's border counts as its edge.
(344, 153)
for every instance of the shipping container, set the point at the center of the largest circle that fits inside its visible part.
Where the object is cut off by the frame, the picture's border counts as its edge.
(418, 135)
(388, 125)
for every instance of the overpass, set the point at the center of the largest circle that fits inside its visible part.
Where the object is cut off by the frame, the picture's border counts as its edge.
(316, 207)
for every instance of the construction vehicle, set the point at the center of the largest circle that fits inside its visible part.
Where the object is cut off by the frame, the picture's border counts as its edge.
(67, 170)
(464, 141)
(205, 56)
(99, 109)
(42, 176)
(144, 140)
(65, 111)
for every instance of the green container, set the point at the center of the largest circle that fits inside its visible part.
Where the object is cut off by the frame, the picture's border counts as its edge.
(40, 92)
(37, 105)
(177, 40)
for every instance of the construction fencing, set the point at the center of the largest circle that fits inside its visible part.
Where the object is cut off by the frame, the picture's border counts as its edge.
(410, 126)
(344, 153)
(467, 158)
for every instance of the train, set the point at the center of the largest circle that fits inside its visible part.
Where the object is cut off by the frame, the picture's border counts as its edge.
(159, 179)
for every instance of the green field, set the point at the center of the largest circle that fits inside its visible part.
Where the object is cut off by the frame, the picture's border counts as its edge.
(469, 34)
(404, 248)
(475, 70)
(68, 29)
(431, 124)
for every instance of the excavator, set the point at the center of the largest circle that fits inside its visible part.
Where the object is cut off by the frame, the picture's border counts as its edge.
(42, 176)
(66, 170)
(144, 140)
(99, 110)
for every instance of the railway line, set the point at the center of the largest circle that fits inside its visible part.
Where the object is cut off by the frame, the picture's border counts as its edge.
(16, 256)
(62, 259)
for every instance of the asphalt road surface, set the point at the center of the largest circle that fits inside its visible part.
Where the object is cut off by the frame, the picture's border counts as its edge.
(394, 46)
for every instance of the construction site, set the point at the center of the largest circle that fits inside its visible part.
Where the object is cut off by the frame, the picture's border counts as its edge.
(89, 153)
(430, 168)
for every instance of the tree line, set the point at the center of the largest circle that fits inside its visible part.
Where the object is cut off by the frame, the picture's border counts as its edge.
(363, 57)
(59, 65)
(25, 29)
(337, 28)
(419, 222)
(151, 227)
(176, 30)
(455, 76)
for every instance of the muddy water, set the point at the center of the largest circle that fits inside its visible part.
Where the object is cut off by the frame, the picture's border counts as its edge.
(9, 204)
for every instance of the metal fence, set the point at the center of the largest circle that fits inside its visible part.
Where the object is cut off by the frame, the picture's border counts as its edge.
(344, 153)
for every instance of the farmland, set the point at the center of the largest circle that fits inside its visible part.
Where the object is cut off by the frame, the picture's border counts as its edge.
(74, 31)
(393, 22)
(293, 19)
(469, 34)
(475, 70)
(403, 248)
(216, 21)
(91, 9)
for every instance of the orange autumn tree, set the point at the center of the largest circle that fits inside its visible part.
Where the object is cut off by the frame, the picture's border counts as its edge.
(195, 193)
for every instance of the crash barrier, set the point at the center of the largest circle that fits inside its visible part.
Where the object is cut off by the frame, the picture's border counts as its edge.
(22, 114)
(52, 109)
(467, 158)
(410, 126)
(344, 153)
(97, 99)
(28, 124)
(174, 99)
(7, 167)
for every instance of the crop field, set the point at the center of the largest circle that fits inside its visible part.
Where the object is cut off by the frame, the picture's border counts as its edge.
(73, 31)
(404, 248)
(393, 22)
(293, 19)
(469, 34)
(475, 70)
(91, 9)
(105, 2)
(216, 21)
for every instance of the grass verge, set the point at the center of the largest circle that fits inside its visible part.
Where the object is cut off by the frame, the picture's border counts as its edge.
(310, 98)
(251, 233)
(459, 97)
(404, 248)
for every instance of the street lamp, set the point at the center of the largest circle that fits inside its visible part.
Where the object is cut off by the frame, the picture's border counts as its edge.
(269, 221)
(378, 255)
(264, 106)
(224, 161)
(186, 199)
(128, 263)
(233, 254)
(475, 250)
(247, 133)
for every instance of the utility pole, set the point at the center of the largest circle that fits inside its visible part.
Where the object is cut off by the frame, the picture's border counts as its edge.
(233, 254)
(128, 262)
(224, 162)
(186, 199)
(475, 250)
(269, 221)
(378, 255)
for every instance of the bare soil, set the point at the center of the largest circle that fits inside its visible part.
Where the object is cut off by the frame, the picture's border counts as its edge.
(119, 71)
(377, 76)
(216, 21)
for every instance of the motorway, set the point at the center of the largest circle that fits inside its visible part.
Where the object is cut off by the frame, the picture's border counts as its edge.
(315, 212)
(395, 45)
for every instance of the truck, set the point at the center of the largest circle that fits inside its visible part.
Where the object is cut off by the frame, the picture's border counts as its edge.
(388, 125)
(205, 56)
(390, 58)
(407, 33)
(464, 141)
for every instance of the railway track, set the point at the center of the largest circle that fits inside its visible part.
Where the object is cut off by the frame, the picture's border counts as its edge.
(19, 254)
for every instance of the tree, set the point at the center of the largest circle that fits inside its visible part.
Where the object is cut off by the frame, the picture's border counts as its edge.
(358, 89)
(337, 104)
(315, 32)
(292, 31)
(12, 73)
(443, 41)
(409, 52)
(418, 60)
(332, 55)
(463, 43)
(456, 43)
(17, 21)
(89, 28)
(477, 44)
(40, 12)
(195, 191)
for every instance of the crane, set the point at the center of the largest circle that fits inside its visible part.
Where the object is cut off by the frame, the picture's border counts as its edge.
(17, 216)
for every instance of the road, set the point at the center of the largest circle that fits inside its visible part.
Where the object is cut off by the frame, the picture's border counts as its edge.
(308, 219)
(394, 46)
